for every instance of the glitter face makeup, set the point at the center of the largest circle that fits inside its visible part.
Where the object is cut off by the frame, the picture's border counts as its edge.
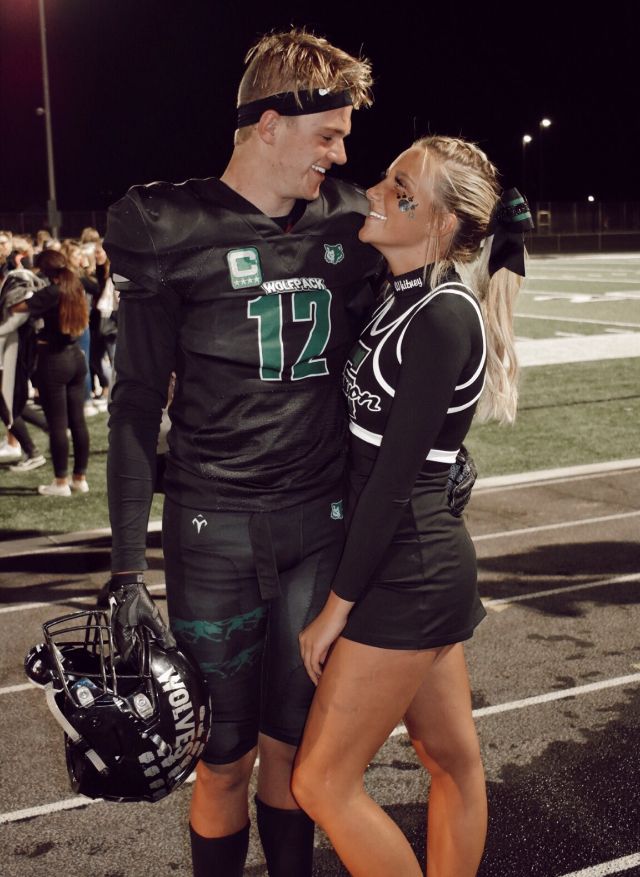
(401, 216)
(406, 202)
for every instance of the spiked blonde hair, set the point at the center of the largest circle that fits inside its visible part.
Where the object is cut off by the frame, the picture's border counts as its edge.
(297, 61)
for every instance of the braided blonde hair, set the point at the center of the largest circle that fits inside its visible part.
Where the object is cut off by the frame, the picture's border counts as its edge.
(465, 183)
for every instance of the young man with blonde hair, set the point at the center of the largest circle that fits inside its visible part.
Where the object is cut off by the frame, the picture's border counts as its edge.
(250, 288)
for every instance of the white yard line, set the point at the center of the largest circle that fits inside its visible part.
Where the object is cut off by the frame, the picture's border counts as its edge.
(615, 866)
(587, 348)
(72, 803)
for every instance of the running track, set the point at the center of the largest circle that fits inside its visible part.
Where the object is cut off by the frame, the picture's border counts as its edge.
(555, 670)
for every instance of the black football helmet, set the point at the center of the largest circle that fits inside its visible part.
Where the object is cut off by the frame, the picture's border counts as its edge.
(134, 731)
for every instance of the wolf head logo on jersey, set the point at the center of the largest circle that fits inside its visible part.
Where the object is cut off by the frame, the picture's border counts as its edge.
(333, 253)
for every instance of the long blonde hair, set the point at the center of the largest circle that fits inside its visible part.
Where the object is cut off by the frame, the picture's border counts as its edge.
(465, 183)
(295, 61)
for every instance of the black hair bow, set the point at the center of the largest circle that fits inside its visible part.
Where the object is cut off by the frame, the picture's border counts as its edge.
(511, 219)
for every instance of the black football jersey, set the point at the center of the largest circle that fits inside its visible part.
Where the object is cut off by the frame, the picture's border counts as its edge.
(255, 323)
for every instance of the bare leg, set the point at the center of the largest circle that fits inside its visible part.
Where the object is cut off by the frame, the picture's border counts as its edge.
(362, 694)
(442, 730)
(220, 801)
(274, 775)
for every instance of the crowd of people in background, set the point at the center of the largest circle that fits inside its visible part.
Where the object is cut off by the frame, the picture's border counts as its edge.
(57, 341)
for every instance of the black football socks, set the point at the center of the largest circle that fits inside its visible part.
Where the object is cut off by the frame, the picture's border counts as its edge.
(287, 840)
(219, 856)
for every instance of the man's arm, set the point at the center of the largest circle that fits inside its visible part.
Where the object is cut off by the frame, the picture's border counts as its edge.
(144, 361)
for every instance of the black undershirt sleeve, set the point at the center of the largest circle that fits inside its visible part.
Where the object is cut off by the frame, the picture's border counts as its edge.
(144, 360)
(435, 349)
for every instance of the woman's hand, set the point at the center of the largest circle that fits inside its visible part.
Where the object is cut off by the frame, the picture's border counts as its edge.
(316, 639)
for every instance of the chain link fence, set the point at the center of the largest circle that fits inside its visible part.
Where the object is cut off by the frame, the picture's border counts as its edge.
(561, 226)
(586, 226)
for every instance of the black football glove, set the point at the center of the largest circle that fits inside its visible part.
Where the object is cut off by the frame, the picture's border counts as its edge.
(462, 477)
(132, 606)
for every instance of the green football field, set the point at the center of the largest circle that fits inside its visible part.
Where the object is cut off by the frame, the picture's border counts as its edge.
(577, 323)
(580, 295)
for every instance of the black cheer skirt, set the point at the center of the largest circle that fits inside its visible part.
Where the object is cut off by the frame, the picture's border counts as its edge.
(424, 594)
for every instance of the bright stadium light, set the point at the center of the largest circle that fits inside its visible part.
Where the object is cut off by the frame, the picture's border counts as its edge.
(590, 198)
(526, 140)
(542, 188)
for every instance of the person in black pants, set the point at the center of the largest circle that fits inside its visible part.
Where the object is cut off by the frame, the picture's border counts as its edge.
(250, 288)
(61, 370)
(17, 363)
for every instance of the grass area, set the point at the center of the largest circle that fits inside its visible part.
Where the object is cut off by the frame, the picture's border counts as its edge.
(584, 412)
(569, 415)
(549, 283)
(541, 328)
(627, 311)
(24, 513)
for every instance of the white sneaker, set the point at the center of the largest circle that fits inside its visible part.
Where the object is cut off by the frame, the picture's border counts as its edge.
(28, 464)
(90, 410)
(79, 485)
(54, 489)
(9, 453)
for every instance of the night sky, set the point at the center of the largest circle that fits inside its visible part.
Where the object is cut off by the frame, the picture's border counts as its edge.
(145, 89)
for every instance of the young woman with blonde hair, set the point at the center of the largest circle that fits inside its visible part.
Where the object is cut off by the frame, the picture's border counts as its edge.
(404, 597)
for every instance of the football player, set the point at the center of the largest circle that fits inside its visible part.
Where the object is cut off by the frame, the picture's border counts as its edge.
(250, 288)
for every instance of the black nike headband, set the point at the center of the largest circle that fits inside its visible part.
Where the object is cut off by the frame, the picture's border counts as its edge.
(316, 101)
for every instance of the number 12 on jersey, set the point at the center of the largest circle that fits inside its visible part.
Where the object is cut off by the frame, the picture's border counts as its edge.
(310, 306)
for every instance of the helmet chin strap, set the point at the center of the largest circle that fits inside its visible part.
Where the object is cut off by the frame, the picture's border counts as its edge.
(70, 731)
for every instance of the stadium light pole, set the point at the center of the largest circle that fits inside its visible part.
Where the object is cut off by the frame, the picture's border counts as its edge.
(526, 140)
(544, 124)
(52, 209)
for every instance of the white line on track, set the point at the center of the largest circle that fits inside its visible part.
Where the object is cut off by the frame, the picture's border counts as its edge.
(13, 689)
(23, 607)
(488, 603)
(589, 297)
(578, 320)
(615, 866)
(550, 592)
(72, 803)
(557, 526)
(497, 485)
(550, 696)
